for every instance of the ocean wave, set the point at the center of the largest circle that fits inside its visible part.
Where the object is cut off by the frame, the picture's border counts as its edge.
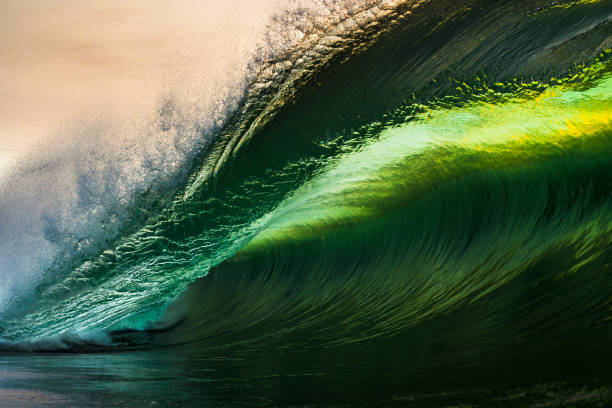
(392, 166)
(67, 204)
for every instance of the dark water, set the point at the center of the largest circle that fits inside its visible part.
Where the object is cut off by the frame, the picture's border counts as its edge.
(167, 378)
(423, 223)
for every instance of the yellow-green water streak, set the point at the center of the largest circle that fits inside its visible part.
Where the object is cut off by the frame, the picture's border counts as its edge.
(443, 145)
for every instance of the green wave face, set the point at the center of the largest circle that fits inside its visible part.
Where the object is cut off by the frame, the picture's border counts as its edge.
(439, 200)
(433, 213)
(444, 145)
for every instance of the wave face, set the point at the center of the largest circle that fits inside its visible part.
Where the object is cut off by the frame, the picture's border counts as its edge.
(419, 185)
(103, 179)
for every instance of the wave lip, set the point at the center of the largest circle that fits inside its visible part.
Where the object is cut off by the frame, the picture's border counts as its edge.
(320, 39)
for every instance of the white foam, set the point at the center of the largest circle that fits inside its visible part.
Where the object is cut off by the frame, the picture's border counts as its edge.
(60, 342)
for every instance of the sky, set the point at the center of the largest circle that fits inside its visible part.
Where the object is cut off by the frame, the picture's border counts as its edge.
(66, 61)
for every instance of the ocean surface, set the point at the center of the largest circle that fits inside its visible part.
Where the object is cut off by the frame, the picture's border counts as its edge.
(408, 203)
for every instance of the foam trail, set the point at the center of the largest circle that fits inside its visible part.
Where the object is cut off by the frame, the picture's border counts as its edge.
(69, 341)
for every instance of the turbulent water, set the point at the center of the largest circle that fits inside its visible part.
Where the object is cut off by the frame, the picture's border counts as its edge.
(410, 203)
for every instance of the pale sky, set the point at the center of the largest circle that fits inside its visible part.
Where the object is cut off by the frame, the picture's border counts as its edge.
(61, 60)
